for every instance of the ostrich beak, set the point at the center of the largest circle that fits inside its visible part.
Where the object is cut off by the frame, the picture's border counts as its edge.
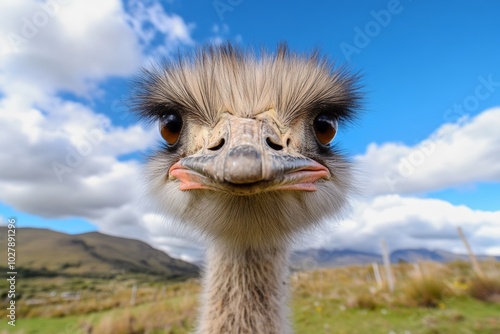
(246, 156)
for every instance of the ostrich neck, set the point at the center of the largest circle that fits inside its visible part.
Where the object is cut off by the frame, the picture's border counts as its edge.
(245, 291)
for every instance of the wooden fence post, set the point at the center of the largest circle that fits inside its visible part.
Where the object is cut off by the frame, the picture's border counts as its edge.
(387, 264)
(134, 295)
(472, 257)
(376, 272)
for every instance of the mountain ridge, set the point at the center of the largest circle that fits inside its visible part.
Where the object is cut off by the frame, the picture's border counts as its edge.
(321, 257)
(93, 254)
(46, 252)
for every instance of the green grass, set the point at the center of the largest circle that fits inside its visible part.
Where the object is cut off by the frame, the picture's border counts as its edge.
(64, 325)
(321, 316)
(328, 316)
(340, 300)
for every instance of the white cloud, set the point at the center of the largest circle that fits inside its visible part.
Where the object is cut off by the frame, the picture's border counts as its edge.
(150, 22)
(179, 247)
(93, 183)
(456, 154)
(73, 46)
(62, 45)
(404, 222)
(409, 222)
(136, 219)
(89, 181)
(64, 161)
(59, 158)
(221, 33)
(108, 192)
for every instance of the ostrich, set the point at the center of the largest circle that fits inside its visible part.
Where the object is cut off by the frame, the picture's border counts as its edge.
(247, 162)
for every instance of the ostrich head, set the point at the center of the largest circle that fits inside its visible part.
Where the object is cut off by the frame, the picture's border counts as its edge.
(248, 157)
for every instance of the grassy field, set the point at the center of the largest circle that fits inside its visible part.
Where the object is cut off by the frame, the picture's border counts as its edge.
(434, 299)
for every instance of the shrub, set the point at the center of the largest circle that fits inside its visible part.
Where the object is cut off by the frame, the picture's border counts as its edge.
(485, 289)
(460, 266)
(366, 301)
(426, 292)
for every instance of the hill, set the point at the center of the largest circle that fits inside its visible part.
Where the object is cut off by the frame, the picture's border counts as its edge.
(43, 252)
(308, 259)
(323, 258)
(49, 253)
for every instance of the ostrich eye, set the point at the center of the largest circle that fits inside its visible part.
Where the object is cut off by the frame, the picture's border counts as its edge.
(325, 128)
(170, 127)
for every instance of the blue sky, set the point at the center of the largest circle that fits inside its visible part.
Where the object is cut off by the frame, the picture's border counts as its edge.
(426, 59)
(421, 62)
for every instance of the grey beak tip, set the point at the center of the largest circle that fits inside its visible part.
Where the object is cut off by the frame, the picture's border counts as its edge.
(243, 164)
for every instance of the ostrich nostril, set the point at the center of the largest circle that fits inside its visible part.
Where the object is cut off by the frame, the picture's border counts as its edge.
(274, 146)
(218, 146)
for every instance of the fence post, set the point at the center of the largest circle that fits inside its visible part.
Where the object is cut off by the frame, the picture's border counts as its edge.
(376, 272)
(134, 294)
(418, 270)
(472, 257)
(387, 264)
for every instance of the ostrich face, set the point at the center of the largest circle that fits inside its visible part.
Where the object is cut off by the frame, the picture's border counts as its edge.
(247, 156)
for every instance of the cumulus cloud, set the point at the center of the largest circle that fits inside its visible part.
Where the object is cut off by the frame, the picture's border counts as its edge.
(221, 33)
(65, 163)
(409, 222)
(64, 45)
(139, 220)
(61, 45)
(108, 192)
(404, 222)
(152, 24)
(59, 158)
(65, 158)
(456, 154)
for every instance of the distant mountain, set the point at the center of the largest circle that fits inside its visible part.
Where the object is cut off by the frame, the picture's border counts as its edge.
(314, 258)
(50, 253)
(46, 252)
(414, 255)
(306, 259)
(421, 254)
